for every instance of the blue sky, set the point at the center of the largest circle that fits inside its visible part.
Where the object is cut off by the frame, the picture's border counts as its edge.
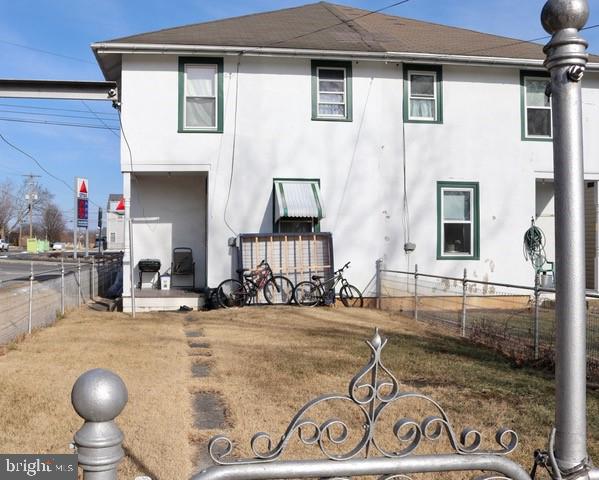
(68, 27)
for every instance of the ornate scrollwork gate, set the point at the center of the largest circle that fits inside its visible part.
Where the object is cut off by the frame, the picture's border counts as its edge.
(372, 391)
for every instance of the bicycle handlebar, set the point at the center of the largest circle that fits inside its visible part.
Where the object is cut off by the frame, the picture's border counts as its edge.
(343, 267)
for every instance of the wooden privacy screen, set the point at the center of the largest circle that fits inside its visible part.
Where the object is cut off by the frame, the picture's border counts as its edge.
(297, 256)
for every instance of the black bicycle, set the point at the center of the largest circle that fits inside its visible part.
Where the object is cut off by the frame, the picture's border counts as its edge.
(276, 289)
(319, 292)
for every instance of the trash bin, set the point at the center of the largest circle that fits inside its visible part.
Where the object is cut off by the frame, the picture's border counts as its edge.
(165, 282)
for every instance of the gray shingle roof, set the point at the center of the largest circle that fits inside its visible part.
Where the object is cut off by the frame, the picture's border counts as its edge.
(338, 27)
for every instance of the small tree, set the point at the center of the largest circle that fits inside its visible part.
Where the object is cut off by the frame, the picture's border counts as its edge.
(7, 206)
(52, 222)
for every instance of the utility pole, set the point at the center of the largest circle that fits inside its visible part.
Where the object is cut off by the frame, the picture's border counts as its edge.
(30, 197)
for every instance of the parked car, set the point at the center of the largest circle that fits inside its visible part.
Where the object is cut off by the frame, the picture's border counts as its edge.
(3, 245)
(58, 246)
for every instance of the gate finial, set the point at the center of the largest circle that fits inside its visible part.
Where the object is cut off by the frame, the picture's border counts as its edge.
(98, 397)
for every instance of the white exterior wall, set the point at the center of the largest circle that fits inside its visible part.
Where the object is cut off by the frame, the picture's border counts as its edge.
(359, 163)
(115, 227)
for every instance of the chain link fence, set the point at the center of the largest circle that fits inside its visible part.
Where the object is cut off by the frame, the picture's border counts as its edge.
(36, 300)
(517, 320)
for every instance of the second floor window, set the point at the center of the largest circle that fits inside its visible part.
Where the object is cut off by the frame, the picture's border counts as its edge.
(423, 94)
(536, 106)
(331, 90)
(200, 94)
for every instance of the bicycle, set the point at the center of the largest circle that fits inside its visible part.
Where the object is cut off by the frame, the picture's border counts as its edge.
(317, 292)
(276, 289)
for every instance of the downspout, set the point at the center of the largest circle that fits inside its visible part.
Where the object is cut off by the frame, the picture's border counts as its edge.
(566, 61)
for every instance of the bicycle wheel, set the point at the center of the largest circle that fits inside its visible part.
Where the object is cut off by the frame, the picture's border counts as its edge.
(231, 293)
(306, 294)
(350, 296)
(278, 290)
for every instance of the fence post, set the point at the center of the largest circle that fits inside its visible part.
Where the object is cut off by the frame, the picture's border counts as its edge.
(79, 282)
(464, 302)
(536, 316)
(92, 288)
(99, 396)
(31, 277)
(62, 286)
(416, 291)
(379, 262)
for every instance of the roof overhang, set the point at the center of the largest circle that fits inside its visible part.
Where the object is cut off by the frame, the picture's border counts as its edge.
(64, 89)
(109, 55)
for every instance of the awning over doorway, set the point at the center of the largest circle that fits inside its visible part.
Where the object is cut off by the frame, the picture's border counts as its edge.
(298, 199)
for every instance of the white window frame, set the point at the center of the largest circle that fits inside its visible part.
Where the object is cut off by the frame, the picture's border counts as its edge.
(214, 66)
(318, 92)
(472, 251)
(435, 96)
(526, 107)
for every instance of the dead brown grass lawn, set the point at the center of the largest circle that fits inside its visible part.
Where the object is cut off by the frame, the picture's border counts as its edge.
(269, 362)
(149, 353)
(266, 363)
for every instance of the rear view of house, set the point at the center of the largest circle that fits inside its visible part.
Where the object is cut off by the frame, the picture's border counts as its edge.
(380, 130)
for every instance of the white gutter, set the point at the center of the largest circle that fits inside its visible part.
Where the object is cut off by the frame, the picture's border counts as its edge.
(174, 49)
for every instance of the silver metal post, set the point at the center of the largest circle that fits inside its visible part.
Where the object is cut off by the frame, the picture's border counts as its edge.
(31, 278)
(537, 294)
(464, 302)
(566, 60)
(98, 397)
(62, 286)
(79, 282)
(379, 262)
(416, 292)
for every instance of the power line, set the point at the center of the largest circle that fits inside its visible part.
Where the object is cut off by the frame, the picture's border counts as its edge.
(63, 124)
(47, 52)
(339, 23)
(519, 42)
(87, 117)
(102, 121)
(55, 109)
(23, 152)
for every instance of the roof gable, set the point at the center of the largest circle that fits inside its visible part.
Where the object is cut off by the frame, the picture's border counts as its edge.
(333, 27)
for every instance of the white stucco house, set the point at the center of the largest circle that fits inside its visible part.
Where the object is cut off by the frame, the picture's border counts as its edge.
(379, 129)
(115, 223)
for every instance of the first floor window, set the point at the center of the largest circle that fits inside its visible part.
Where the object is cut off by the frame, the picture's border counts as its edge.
(297, 225)
(200, 90)
(457, 220)
(536, 106)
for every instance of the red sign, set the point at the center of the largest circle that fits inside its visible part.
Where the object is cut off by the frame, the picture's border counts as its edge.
(120, 208)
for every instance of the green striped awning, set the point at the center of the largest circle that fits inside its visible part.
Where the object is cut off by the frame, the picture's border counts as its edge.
(298, 199)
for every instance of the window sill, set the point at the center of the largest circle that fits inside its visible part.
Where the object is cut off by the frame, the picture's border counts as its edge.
(330, 119)
(190, 130)
(458, 257)
(537, 139)
(431, 122)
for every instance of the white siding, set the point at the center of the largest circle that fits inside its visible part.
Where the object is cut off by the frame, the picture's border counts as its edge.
(359, 163)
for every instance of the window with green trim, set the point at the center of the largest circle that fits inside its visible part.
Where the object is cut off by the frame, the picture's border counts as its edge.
(457, 220)
(536, 106)
(200, 94)
(423, 93)
(331, 90)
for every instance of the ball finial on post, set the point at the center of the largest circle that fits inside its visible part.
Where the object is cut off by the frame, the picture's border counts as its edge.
(98, 397)
(561, 14)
